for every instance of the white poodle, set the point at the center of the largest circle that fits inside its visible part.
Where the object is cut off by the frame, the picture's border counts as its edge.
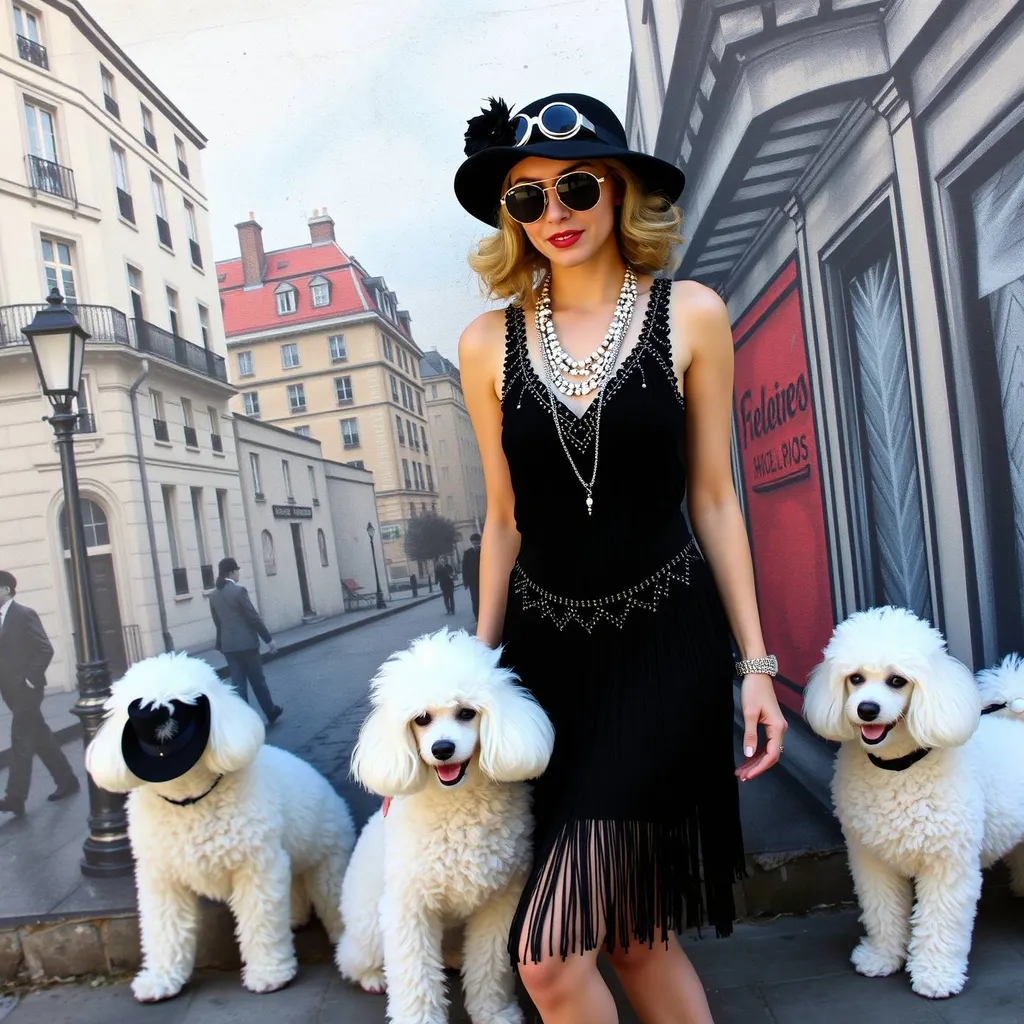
(214, 812)
(452, 737)
(928, 790)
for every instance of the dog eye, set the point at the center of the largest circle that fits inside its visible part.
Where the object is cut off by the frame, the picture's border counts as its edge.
(896, 682)
(856, 678)
(466, 714)
(423, 720)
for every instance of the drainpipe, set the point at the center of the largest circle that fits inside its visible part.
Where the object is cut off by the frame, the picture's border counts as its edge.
(133, 394)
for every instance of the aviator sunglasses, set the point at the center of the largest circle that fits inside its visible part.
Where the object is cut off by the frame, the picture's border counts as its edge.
(577, 190)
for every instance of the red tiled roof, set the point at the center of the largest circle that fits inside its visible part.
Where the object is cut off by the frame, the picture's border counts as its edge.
(255, 309)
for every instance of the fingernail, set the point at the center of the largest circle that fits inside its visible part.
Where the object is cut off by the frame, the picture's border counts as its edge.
(749, 751)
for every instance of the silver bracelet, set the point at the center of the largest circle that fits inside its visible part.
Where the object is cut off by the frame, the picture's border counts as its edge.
(768, 666)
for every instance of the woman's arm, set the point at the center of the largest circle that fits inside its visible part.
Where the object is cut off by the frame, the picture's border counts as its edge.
(481, 356)
(701, 322)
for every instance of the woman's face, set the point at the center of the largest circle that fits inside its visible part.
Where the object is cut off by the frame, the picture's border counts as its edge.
(567, 237)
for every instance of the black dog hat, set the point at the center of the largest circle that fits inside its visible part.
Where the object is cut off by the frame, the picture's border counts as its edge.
(492, 153)
(161, 743)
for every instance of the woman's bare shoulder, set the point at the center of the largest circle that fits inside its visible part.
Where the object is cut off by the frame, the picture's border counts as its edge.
(483, 341)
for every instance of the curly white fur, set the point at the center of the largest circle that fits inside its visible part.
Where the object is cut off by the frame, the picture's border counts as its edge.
(930, 829)
(271, 839)
(445, 855)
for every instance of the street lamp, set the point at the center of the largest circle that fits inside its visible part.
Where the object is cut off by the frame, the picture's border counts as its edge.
(381, 603)
(58, 347)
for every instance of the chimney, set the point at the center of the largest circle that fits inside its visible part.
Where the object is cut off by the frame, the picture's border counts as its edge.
(250, 244)
(321, 227)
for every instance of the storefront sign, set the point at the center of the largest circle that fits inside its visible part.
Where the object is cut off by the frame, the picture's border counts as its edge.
(781, 479)
(292, 511)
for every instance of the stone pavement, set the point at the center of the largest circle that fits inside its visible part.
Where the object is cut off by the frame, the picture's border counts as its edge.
(57, 704)
(790, 970)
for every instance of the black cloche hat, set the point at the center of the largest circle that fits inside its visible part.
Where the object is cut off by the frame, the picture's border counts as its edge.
(161, 743)
(492, 152)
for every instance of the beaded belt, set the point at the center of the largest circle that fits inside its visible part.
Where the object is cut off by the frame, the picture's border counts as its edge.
(612, 608)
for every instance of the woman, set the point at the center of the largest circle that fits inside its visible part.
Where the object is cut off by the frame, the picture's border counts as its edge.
(592, 438)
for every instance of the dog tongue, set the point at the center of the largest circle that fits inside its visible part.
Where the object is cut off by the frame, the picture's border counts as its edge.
(448, 772)
(872, 732)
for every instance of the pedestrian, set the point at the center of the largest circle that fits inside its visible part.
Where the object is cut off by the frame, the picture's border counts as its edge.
(471, 573)
(445, 576)
(239, 630)
(25, 654)
(593, 582)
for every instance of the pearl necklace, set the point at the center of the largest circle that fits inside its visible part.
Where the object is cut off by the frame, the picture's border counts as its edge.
(595, 367)
(621, 328)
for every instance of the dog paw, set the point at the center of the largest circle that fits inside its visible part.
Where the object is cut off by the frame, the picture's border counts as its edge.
(150, 987)
(936, 982)
(374, 983)
(270, 978)
(872, 963)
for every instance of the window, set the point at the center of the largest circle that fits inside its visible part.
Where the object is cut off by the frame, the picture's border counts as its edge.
(257, 480)
(296, 397)
(204, 324)
(214, 428)
(286, 472)
(302, 431)
(193, 235)
(172, 312)
(400, 423)
(30, 47)
(419, 403)
(405, 473)
(222, 518)
(163, 228)
(171, 519)
(148, 132)
(289, 356)
(312, 485)
(389, 353)
(189, 424)
(135, 292)
(356, 464)
(179, 149)
(321, 543)
(336, 348)
(58, 267)
(159, 416)
(125, 204)
(109, 93)
(245, 364)
(430, 478)
(45, 171)
(251, 403)
(287, 299)
(394, 387)
(81, 406)
(423, 433)
(269, 558)
(343, 390)
(414, 437)
(401, 359)
(433, 391)
(350, 433)
(205, 567)
(320, 291)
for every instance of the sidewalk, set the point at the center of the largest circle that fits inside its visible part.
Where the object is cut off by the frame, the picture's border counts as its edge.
(57, 704)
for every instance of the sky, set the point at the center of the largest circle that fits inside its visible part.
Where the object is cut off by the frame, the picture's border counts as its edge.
(360, 106)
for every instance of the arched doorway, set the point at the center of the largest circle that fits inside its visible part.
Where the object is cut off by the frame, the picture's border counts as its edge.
(104, 584)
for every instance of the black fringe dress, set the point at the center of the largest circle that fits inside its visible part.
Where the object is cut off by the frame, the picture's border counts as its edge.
(615, 625)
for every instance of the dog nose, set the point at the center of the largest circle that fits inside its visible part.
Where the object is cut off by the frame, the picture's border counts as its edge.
(868, 710)
(443, 749)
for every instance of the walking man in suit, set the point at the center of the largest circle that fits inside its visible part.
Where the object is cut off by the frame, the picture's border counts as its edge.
(25, 654)
(239, 630)
(471, 573)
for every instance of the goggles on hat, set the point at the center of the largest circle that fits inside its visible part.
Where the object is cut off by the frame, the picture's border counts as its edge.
(556, 121)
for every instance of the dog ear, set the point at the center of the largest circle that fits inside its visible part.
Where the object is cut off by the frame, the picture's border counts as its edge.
(945, 705)
(386, 760)
(236, 730)
(824, 705)
(103, 758)
(516, 735)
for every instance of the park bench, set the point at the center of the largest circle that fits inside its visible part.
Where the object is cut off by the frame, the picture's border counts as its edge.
(356, 596)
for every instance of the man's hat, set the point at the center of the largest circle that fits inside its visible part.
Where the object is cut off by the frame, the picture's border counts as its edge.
(474, 536)
(161, 743)
(7, 580)
(227, 565)
(492, 152)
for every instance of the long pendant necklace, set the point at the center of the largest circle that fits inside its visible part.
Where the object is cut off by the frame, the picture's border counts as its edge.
(621, 327)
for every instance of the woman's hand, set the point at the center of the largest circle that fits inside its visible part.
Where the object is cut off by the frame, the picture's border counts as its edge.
(760, 707)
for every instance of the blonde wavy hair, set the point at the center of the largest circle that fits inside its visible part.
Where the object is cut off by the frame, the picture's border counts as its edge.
(646, 227)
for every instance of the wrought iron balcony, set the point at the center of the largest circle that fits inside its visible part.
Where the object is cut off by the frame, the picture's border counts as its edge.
(126, 205)
(109, 326)
(163, 230)
(197, 253)
(183, 167)
(191, 437)
(160, 432)
(150, 139)
(217, 442)
(206, 572)
(46, 176)
(86, 423)
(180, 581)
(113, 107)
(33, 52)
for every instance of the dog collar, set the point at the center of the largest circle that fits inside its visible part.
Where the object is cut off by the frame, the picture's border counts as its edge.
(189, 801)
(898, 764)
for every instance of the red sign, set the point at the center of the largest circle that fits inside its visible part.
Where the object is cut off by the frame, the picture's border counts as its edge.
(781, 479)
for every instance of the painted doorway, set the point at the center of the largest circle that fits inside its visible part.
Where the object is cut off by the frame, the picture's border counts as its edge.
(300, 565)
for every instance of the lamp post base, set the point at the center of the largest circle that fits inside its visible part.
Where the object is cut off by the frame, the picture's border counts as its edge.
(381, 603)
(107, 859)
